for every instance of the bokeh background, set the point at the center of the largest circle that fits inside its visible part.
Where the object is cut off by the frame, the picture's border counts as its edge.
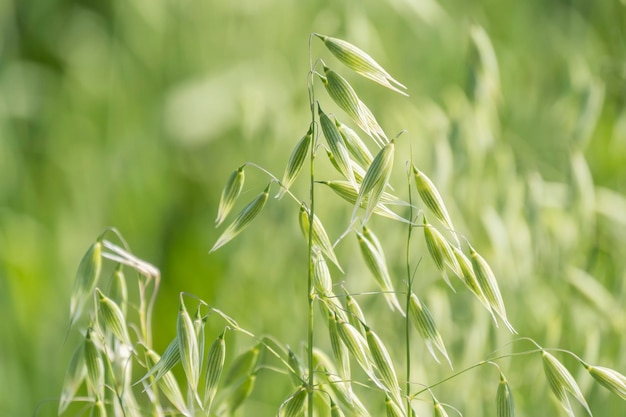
(133, 113)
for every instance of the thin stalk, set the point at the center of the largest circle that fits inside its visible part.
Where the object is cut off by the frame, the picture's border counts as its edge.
(407, 324)
(274, 179)
(142, 311)
(476, 365)
(309, 294)
(150, 308)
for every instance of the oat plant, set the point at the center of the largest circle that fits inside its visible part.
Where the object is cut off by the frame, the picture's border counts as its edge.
(349, 367)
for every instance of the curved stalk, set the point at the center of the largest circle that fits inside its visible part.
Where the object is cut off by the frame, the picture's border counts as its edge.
(476, 365)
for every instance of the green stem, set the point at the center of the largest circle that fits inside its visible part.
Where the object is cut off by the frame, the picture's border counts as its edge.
(310, 297)
(476, 365)
(142, 311)
(409, 277)
(407, 323)
(150, 307)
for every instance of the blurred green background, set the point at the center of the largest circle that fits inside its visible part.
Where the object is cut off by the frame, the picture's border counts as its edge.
(133, 113)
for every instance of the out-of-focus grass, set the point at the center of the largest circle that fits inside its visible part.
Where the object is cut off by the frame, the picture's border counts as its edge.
(133, 114)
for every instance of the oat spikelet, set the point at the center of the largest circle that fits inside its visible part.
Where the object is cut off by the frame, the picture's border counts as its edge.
(377, 264)
(243, 219)
(393, 409)
(609, 378)
(94, 364)
(489, 285)
(243, 365)
(294, 405)
(170, 357)
(431, 197)
(425, 325)
(346, 98)
(347, 191)
(98, 409)
(439, 410)
(86, 280)
(337, 146)
(320, 237)
(340, 352)
(74, 377)
(214, 367)
(188, 346)
(358, 348)
(470, 280)
(340, 387)
(112, 318)
(241, 393)
(231, 191)
(342, 93)
(355, 145)
(295, 163)
(383, 362)
(335, 411)
(167, 383)
(375, 180)
(355, 314)
(561, 382)
(441, 252)
(360, 62)
(199, 322)
(322, 279)
(505, 406)
(299, 373)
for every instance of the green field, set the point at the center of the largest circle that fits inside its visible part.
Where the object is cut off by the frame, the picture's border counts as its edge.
(133, 115)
